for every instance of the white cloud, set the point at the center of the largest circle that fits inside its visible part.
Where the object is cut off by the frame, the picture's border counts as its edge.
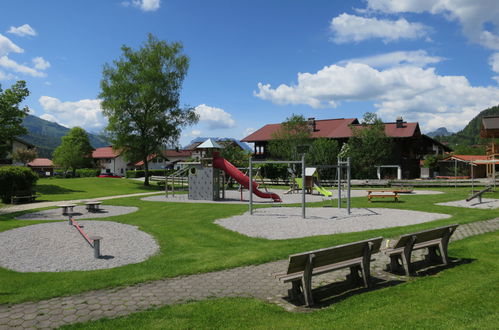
(84, 113)
(40, 63)
(7, 46)
(49, 117)
(6, 76)
(416, 93)
(23, 30)
(195, 133)
(418, 58)
(16, 67)
(144, 5)
(214, 117)
(474, 16)
(347, 28)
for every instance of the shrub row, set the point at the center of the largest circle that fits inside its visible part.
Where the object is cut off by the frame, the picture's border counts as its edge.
(87, 172)
(141, 173)
(14, 180)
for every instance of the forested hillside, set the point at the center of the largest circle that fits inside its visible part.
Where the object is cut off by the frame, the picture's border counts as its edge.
(467, 140)
(46, 135)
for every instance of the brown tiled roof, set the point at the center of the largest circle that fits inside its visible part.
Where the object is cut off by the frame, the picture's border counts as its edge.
(468, 158)
(41, 162)
(105, 152)
(337, 129)
(330, 128)
(175, 153)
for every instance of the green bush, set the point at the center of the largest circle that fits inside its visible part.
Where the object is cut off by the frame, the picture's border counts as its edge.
(141, 173)
(87, 172)
(15, 179)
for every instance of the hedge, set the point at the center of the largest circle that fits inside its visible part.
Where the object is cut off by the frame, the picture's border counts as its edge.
(87, 172)
(141, 173)
(14, 180)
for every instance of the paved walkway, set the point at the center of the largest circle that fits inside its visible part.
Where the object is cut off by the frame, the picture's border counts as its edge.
(250, 281)
(31, 206)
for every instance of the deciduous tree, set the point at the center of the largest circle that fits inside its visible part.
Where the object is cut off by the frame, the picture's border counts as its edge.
(11, 115)
(293, 134)
(75, 151)
(140, 96)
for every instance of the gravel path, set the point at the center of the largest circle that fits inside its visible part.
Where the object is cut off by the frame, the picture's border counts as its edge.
(487, 203)
(58, 247)
(80, 212)
(286, 222)
(234, 197)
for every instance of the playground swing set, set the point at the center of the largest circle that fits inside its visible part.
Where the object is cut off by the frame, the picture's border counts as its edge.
(207, 178)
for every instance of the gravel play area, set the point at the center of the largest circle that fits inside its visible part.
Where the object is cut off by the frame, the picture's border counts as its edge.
(487, 203)
(286, 222)
(234, 197)
(80, 212)
(58, 247)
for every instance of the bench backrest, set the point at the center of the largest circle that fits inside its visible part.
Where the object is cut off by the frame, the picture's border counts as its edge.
(333, 254)
(425, 235)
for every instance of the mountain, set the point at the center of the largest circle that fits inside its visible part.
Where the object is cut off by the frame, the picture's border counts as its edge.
(442, 131)
(46, 135)
(469, 137)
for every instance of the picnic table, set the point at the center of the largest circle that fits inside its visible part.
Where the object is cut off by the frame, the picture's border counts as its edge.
(383, 193)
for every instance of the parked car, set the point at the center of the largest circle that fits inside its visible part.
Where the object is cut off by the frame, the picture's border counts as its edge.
(109, 175)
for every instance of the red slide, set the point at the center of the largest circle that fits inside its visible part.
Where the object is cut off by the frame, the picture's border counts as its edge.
(227, 167)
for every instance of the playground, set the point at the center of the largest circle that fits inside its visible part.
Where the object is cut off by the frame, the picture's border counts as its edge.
(191, 251)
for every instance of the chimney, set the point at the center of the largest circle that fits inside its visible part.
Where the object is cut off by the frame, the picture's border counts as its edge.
(399, 122)
(311, 124)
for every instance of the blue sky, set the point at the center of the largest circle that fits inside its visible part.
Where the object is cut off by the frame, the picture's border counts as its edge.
(258, 62)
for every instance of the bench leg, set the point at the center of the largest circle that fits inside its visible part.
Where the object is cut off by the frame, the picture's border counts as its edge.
(354, 275)
(406, 261)
(394, 263)
(295, 292)
(443, 253)
(307, 281)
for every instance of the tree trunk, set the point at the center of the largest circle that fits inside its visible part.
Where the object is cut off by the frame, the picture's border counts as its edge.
(146, 172)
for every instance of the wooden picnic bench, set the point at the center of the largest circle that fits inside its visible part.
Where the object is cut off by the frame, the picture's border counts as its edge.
(432, 239)
(302, 266)
(28, 195)
(93, 206)
(383, 193)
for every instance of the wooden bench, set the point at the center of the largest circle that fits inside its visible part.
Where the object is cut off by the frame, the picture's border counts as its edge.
(432, 239)
(302, 266)
(30, 196)
(66, 208)
(93, 206)
(382, 194)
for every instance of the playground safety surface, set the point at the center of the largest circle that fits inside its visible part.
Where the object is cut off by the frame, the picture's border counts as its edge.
(487, 203)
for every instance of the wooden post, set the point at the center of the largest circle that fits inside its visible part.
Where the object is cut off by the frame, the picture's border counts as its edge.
(307, 280)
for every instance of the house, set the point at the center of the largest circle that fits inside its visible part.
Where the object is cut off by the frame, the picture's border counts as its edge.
(42, 166)
(410, 145)
(17, 144)
(168, 159)
(110, 161)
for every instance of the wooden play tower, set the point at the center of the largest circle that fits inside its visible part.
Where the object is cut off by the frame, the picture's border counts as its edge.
(490, 130)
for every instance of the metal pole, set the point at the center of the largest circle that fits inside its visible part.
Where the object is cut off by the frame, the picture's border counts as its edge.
(339, 183)
(96, 243)
(251, 186)
(472, 179)
(348, 185)
(455, 173)
(303, 186)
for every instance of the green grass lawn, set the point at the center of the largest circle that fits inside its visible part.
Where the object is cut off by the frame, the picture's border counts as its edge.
(191, 243)
(54, 189)
(462, 297)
